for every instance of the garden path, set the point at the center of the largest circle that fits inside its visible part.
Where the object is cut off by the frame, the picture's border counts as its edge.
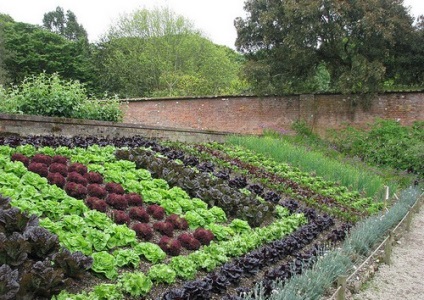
(403, 279)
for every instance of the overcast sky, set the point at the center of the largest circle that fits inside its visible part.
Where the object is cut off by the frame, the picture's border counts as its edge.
(215, 18)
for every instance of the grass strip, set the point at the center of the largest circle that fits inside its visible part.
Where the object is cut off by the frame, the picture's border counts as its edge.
(279, 150)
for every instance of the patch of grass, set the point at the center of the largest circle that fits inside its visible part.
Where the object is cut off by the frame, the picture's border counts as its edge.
(352, 176)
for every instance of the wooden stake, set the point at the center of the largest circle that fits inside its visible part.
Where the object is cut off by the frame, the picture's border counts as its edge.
(388, 249)
(408, 221)
(341, 282)
(386, 197)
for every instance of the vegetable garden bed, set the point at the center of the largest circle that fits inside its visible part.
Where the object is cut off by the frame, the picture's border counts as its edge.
(132, 217)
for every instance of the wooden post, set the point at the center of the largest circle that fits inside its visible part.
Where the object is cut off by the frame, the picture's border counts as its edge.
(417, 206)
(386, 197)
(341, 282)
(408, 220)
(388, 248)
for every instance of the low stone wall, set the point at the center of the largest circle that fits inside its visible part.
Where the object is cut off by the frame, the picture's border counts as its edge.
(37, 125)
(251, 115)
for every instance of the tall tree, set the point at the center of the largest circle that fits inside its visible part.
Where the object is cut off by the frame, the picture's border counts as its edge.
(36, 50)
(289, 42)
(158, 53)
(65, 25)
(4, 53)
(405, 65)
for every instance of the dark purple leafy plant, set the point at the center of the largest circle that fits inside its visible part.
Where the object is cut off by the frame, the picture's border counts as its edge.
(14, 249)
(42, 280)
(198, 289)
(75, 264)
(9, 285)
(42, 242)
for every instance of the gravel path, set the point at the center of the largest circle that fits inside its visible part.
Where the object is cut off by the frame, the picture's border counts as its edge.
(404, 278)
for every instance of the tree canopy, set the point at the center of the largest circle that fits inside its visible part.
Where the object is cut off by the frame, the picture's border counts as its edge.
(158, 53)
(33, 50)
(297, 45)
(64, 25)
(4, 77)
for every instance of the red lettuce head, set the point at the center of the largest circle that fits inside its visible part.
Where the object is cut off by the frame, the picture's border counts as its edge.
(177, 221)
(117, 201)
(77, 167)
(156, 211)
(144, 231)
(94, 177)
(134, 199)
(96, 190)
(59, 168)
(164, 228)
(120, 217)
(97, 204)
(76, 190)
(20, 157)
(115, 188)
(60, 159)
(203, 235)
(77, 178)
(39, 168)
(188, 241)
(139, 214)
(170, 246)
(57, 179)
(42, 158)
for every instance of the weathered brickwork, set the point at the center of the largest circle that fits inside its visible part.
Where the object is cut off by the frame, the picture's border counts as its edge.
(253, 114)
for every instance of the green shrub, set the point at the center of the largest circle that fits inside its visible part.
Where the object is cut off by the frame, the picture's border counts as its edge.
(105, 110)
(387, 144)
(8, 102)
(49, 95)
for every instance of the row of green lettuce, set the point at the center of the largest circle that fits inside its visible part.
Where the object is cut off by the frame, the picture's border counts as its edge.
(113, 246)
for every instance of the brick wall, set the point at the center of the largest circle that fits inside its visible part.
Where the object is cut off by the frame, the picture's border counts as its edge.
(210, 119)
(253, 115)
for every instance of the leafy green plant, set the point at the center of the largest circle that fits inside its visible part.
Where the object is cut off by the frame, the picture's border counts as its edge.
(221, 232)
(184, 267)
(135, 284)
(106, 292)
(239, 226)
(387, 143)
(49, 95)
(125, 257)
(150, 251)
(162, 273)
(104, 262)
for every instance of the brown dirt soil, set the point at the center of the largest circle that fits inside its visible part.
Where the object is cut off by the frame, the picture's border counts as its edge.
(403, 279)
